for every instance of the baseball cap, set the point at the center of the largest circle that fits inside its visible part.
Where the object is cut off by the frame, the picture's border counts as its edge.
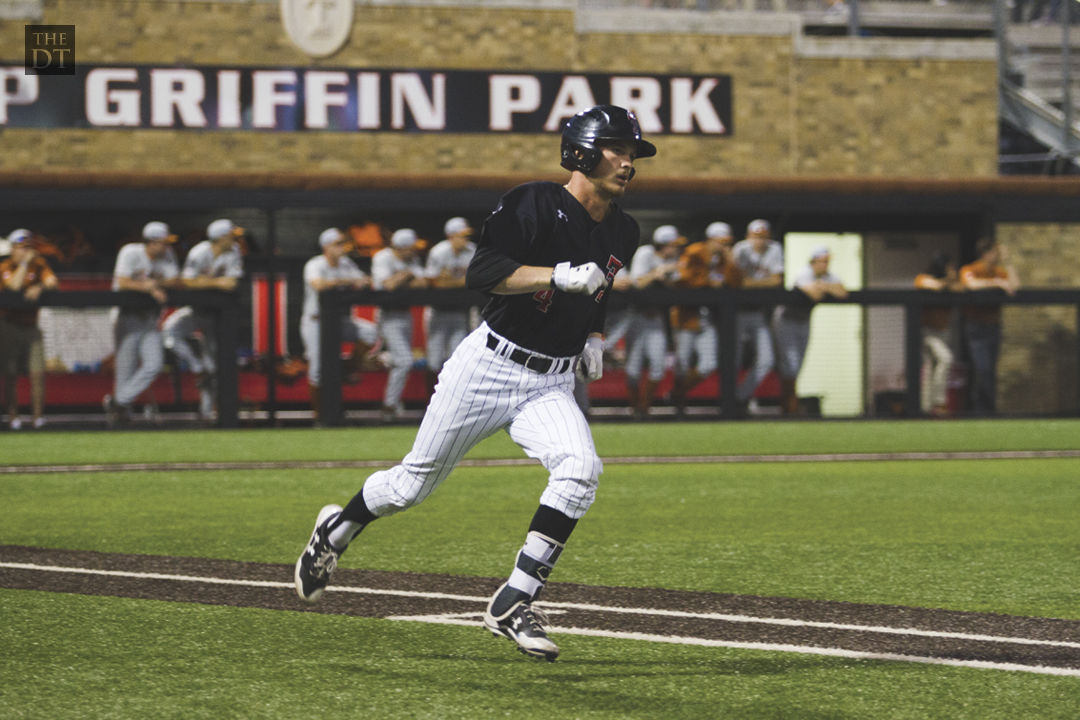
(403, 238)
(665, 235)
(329, 236)
(758, 226)
(456, 225)
(156, 231)
(819, 252)
(222, 227)
(19, 236)
(718, 229)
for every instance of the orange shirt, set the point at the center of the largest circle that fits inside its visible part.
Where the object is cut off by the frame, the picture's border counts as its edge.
(698, 267)
(37, 272)
(979, 270)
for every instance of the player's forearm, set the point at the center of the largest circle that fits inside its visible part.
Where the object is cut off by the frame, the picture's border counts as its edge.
(127, 283)
(200, 283)
(15, 282)
(526, 279)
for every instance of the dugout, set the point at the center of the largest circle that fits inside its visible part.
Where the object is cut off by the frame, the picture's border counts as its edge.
(191, 110)
(279, 214)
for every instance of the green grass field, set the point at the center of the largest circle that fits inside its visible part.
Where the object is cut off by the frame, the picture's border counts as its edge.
(995, 535)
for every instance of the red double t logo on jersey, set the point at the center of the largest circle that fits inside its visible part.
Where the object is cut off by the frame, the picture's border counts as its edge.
(613, 266)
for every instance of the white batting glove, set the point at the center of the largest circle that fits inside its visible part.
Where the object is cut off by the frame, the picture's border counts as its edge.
(587, 278)
(591, 361)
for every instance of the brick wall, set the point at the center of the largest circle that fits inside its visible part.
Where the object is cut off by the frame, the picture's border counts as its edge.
(1037, 372)
(796, 113)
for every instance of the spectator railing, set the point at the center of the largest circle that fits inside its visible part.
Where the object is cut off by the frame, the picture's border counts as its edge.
(724, 305)
(224, 305)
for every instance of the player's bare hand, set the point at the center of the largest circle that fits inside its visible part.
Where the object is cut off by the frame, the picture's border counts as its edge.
(591, 360)
(587, 278)
(158, 294)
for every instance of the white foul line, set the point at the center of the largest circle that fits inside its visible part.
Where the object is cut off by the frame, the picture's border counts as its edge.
(769, 647)
(454, 619)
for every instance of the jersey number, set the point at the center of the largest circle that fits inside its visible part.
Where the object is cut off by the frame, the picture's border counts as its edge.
(543, 299)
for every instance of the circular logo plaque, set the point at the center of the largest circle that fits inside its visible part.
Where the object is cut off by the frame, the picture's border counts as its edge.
(318, 27)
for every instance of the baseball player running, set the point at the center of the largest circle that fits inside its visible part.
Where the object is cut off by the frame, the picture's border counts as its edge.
(214, 263)
(396, 268)
(446, 266)
(546, 256)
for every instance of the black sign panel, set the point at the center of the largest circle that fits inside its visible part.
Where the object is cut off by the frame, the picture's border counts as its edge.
(355, 100)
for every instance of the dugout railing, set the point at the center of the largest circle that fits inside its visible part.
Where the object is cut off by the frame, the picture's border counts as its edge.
(724, 305)
(224, 306)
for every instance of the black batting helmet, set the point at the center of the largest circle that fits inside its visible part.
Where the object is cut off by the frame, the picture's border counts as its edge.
(583, 133)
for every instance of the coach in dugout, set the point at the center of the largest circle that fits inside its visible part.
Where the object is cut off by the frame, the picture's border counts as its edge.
(21, 342)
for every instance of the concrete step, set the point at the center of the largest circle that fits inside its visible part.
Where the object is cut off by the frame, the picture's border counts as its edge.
(1042, 37)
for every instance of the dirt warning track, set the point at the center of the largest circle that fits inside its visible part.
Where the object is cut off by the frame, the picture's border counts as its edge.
(981, 640)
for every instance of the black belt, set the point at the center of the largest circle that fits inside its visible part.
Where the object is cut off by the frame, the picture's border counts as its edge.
(536, 363)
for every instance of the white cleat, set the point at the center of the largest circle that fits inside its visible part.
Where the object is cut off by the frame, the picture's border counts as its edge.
(526, 626)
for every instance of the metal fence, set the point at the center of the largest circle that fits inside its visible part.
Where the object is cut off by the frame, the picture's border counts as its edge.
(236, 407)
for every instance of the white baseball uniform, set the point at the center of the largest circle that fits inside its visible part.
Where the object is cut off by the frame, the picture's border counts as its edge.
(352, 329)
(791, 324)
(446, 327)
(184, 324)
(752, 324)
(647, 336)
(395, 325)
(139, 351)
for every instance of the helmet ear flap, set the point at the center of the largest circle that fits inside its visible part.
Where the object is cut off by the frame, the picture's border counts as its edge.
(577, 157)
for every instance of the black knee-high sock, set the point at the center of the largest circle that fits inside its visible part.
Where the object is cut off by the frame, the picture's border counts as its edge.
(556, 525)
(353, 518)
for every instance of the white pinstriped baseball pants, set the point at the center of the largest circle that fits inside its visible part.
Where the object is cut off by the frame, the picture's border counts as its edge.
(479, 392)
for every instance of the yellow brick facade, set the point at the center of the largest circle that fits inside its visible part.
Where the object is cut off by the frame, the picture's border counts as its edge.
(793, 114)
(1038, 372)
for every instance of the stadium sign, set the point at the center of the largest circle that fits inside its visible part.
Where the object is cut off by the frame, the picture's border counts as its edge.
(352, 100)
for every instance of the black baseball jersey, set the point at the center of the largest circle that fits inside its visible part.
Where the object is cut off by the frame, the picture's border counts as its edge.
(542, 224)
